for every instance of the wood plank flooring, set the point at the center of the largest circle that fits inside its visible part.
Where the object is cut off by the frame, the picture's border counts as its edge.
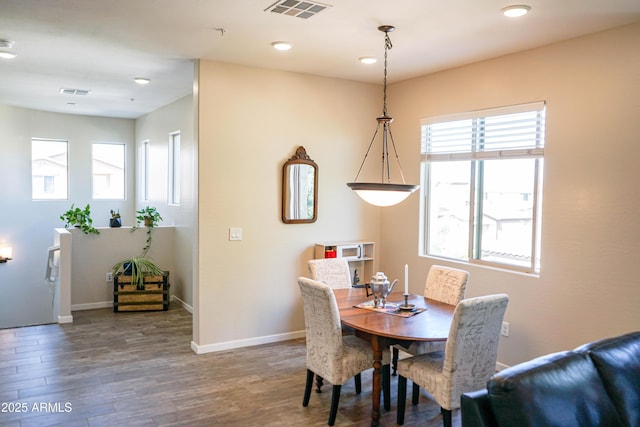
(137, 369)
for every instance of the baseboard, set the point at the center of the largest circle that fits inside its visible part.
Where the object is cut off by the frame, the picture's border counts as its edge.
(65, 319)
(182, 303)
(229, 345)
(501, 366)
(109, 304)
(92, 305)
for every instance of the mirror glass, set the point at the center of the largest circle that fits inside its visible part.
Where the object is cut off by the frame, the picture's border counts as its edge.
(299, 189)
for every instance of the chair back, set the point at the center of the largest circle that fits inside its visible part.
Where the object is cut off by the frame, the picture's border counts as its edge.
(331, 271)
(446, 284)
(472, 346)
(322, 328)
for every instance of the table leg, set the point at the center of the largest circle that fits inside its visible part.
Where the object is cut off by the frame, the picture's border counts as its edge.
(378, 348)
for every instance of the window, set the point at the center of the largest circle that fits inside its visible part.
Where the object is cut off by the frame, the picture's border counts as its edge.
(145, 171)
(108, 171)
(49, 170)
(174, 168)
(482, 186)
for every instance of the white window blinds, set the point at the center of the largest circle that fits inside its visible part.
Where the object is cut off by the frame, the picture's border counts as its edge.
(515, 131)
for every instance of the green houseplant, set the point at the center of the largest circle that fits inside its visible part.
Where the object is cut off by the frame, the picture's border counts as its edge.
(115, 220)
(81, 218)
(140, 266)
(150, 217)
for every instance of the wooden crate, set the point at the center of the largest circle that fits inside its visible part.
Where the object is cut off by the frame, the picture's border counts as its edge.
(154, 296)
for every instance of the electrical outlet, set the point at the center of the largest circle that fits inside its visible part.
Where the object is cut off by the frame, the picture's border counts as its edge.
(109, 277)
(505, 329)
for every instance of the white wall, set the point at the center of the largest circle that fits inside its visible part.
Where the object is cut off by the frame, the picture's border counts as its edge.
(589, 287)
(28, 225)
(155, 128)
(250, 122)
(93, 256)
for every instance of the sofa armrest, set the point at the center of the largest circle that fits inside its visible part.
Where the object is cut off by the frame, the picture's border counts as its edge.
(476, 410)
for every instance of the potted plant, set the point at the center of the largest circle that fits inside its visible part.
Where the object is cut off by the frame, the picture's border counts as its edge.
(139, 284)
(81, 218)
(138, 268)
(150, 217)
(115, 220)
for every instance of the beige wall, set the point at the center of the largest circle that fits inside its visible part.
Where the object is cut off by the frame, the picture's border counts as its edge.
(588, 287)
(250, 122)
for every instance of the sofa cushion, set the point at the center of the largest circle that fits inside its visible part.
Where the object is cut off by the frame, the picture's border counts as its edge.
(618, 362)
(560, 389)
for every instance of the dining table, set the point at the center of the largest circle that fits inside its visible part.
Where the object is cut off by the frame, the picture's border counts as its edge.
(429, 321)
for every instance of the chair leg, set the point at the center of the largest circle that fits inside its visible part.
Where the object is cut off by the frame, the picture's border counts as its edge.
(446, 417)
(394, 361)
(319, 382)
(415, 394)
(386, 386)
(307, 388)
(358, 381)
(402, 399)
(335, 399)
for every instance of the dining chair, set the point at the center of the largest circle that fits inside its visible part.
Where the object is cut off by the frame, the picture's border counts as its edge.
(444, 284)
(469, 359)
(335, 273)
(333, 356)
(331, 271)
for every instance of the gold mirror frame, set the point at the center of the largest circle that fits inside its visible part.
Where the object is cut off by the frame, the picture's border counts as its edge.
(299, 189)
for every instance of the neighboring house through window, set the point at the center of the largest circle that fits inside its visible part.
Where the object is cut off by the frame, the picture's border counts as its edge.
(108, 171)
(482, 186)
(49, 171)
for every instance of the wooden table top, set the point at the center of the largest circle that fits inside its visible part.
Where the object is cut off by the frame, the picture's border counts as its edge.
(430, 325)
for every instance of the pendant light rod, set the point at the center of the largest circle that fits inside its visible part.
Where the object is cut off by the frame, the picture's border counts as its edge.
(383, 193)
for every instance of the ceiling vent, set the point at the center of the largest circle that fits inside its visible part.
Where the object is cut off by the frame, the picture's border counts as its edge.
(299, 9)
(66, 91)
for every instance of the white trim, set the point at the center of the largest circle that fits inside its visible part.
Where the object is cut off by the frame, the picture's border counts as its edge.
(92, 305)
(498, 111)
(230, 345)
(186, 306)
(65, 319)
(501, 366)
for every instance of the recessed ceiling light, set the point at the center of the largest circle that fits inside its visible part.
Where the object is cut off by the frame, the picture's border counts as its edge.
(142, 80)
(367, 60)
(7, 55)
(282, 45)
(516, 10)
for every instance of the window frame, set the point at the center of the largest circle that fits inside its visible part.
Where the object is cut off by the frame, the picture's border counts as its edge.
(476, 160)
(173, 196)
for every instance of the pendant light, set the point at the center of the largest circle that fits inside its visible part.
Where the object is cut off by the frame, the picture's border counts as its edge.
(383, 193)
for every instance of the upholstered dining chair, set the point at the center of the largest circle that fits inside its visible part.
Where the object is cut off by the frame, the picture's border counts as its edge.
(444, 284)
(331, 355)
(469, 359)
(331, 271)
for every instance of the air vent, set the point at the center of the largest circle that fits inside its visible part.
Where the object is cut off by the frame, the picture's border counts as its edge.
(66, 91)
(299, 9)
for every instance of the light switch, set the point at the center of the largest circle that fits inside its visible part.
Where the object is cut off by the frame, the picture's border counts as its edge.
(235, 233)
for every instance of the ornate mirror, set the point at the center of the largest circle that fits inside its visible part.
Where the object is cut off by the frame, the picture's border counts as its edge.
(299, 189)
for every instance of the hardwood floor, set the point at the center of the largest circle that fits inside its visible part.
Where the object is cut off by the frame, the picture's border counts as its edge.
(137, 369)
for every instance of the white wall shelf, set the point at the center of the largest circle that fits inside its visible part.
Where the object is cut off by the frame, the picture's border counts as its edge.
(359, 254)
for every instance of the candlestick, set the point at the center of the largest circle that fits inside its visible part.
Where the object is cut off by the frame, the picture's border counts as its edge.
(406, 279)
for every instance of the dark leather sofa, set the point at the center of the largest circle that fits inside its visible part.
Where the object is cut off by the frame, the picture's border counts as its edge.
(597, 384)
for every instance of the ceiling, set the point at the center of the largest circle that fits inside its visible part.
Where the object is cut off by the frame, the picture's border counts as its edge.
(100, 46)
